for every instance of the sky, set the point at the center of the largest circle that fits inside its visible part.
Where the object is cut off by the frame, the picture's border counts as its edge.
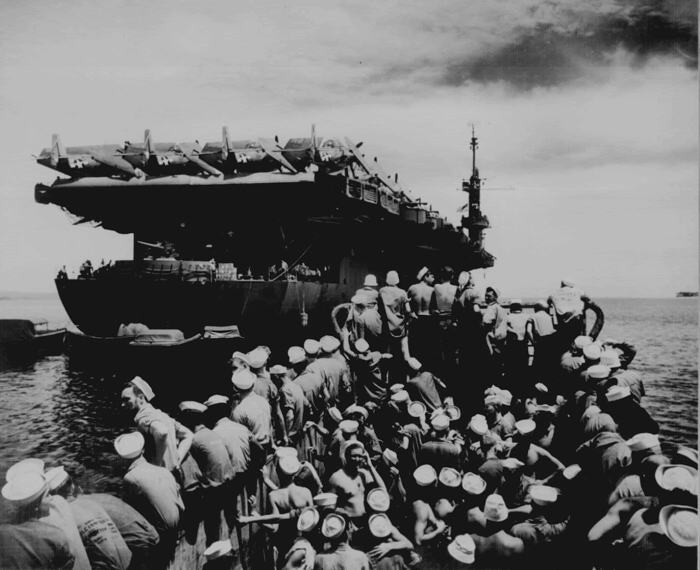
(588, 109)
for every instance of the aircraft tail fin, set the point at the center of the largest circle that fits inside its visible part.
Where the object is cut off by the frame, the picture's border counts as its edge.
(148, 143)
(313, 141)
(57, 149)
(225, 141)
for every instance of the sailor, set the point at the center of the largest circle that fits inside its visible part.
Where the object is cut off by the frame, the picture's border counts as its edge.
(384, 544)
(350, 482)
(139, 535)
(150, 489)
(569, 304)
(370, 291)
(631, 418)
(516, 350)
(441, 303)
(331, 370)
(426, 526)
(103, 543)
(312, 384)
(502, 425)
(287, 498)
(493, 543)
(423, 386)
(293, 402)
(28, 542)
(396, 305)
(495, 327)
(237, 438)
(334, 529)
(251, 410)
(421, 339)
(362, 322)
(371, 375)
(572, 360)
(623, 377)
(541, 334)
(266, 388)
(167, 441)
(442, 449)
(365, 433)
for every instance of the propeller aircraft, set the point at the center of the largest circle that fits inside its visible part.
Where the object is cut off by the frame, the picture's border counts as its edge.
(82, 161)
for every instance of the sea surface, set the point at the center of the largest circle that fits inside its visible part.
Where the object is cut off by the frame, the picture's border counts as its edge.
(69, 415)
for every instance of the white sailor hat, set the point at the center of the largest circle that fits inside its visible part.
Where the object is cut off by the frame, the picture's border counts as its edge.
(55, 477)
(391, 456)
(495, 508)
(572, 471)
(568, 282)
(333, 526)
(144, 386)
(643, 441)
(335, 414)
(242, 356)
(130, 445)
(25, 489)
(463, 549)
(329, 343)
(349, 426)
(505, 397)
(492, 400)
(296, 354)
(680, 524)
(359, 299)
(463, 278)
(392, 278)
(473, 484)
(593, 351)
(414, 363)
(611, 359)
(516, 302)
(599, 372)
(616, 393)
(218, 549)
(670, 477)
(416, 409)
(191, 406)
(378, 500)
(258, 358)
(687, 453)
(453, 412)
(355, 409)
(540, 387)
(440, 422)
(450, 477)
(32, 464)
(478, 424)
(216, 399)
(394, 388)
(422, 273)
(289, 464)
(379, 525)
(243, 379)
(525, 427)
(281, 452)
(308, 519)
(371, 281)
(543, 494)
(311, 346)
(326, 500)
(425, 475)
(278, 369)
(582, 341)
(401, 396)
(361, 346)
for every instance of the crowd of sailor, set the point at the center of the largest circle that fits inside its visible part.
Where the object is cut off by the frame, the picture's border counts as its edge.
(432, 431)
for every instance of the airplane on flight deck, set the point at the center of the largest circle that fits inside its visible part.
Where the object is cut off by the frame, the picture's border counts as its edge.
(253, 155)
(158, 159)
(82, 161)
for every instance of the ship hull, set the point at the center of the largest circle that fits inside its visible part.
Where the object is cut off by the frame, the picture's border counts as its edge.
(98, 307)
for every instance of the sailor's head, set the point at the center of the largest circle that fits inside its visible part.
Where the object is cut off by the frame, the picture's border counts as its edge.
(136, 394)
(359, 303)
(446, 274)
(426, 275)
(568, 282)
(491, 295)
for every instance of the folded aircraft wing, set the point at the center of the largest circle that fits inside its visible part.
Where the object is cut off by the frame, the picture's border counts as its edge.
(203, 165)
(114, 162)
(358, 156)
(275, 152)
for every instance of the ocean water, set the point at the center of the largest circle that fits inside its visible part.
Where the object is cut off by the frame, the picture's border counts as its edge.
(69, 415)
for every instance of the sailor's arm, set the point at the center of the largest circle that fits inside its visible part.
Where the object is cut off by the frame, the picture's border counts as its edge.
(185, 437)
(612, 519)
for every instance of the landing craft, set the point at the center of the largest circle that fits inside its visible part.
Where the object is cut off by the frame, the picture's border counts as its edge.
(247, 156)
(160, 159)
(82, 161)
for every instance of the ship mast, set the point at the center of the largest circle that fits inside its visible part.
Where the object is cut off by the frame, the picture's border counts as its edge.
(475, 221)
